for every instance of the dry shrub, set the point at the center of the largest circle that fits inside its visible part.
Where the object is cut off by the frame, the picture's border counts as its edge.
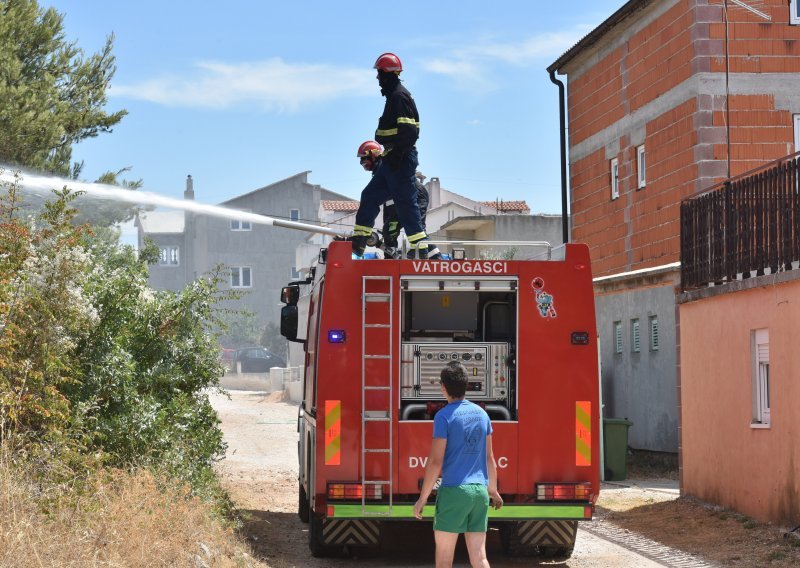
(116, 518)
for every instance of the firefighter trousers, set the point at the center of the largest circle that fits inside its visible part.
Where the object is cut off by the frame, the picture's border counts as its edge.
(399, 186)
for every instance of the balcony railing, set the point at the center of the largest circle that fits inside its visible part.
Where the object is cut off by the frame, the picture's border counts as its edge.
(742, 227)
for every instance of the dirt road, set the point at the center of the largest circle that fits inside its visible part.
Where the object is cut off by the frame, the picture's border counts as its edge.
(260, 472)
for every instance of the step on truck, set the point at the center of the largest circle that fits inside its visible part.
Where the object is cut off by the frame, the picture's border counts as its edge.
(376, 335)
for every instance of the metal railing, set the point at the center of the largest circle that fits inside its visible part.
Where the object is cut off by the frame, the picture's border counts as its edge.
(743, 226)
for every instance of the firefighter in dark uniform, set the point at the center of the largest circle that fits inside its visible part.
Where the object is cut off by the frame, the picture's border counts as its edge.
(394, 178)
(369, 154)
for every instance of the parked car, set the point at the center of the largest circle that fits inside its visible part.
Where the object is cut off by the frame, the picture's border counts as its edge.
(257, 360)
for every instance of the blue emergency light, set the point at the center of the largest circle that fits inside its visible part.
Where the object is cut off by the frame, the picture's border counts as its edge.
(336, 336)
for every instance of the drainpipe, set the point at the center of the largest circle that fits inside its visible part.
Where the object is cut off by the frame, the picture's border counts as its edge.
(562, 116)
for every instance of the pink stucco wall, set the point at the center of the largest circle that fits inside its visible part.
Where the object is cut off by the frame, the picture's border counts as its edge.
(725, 461)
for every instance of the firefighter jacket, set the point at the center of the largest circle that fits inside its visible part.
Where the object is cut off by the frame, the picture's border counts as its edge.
(398, 127)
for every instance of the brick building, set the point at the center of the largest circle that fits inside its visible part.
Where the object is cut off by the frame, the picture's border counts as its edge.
(665, 98)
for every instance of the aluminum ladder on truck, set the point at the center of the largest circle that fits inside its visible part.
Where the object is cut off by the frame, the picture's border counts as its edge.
(377, 333)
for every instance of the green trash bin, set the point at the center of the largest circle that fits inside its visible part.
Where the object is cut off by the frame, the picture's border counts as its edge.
(615, 447)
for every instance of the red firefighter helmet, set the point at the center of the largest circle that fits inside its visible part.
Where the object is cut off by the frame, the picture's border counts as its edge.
(369, 149)
(388, 62)
(368, 154)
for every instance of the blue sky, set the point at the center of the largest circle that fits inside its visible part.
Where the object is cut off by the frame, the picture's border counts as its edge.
(247, 94)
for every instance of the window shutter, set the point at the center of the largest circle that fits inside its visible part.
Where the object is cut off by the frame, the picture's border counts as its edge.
(635, 336)
(653, 333)
(617, 337)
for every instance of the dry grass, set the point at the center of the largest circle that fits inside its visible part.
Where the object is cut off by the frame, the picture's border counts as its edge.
(114, 519)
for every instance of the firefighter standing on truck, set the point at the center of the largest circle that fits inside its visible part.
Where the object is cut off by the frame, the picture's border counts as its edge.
(369, 155)
(398, 131)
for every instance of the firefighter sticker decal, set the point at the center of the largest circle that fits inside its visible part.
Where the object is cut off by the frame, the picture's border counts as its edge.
(544, 301)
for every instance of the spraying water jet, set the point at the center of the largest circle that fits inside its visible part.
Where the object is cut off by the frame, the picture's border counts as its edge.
(43, 185)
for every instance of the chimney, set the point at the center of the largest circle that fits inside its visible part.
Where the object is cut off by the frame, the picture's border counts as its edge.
(434, 192)
(189, 193)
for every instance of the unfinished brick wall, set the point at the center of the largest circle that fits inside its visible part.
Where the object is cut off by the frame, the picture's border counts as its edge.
(661, 82)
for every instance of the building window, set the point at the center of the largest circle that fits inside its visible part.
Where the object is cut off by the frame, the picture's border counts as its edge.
(797, 129)
(641, 167)
(240, 277)
(617, 337)
(237, 225)
(295, 274)
(653, 333)
(636, 343)
(761, 412)
(614, 179)
(169, 256)
(794, 17)
(294, 214)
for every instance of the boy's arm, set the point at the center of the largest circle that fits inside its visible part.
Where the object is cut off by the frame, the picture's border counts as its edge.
(491, 465)
(432, 471)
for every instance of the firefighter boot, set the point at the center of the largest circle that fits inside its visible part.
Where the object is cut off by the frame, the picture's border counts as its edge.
(392, 253)
(359, 243)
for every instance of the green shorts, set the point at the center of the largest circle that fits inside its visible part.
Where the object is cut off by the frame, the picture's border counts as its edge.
(462, 509)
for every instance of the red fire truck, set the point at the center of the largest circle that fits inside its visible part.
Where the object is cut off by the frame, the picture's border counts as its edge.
(377, 334)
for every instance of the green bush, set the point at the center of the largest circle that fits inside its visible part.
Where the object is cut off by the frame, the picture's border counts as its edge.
(95, 366)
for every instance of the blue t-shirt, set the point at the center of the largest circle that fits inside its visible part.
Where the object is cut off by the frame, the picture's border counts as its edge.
(465, 425)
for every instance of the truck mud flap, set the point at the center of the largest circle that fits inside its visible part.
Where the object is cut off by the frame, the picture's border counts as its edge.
(549, 539)
(351, 532)
(547, 533)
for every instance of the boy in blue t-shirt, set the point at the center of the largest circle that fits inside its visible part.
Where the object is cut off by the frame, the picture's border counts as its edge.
(462, 452)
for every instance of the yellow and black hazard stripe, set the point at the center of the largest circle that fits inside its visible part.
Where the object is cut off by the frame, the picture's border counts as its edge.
(583, 432)
(333, 432)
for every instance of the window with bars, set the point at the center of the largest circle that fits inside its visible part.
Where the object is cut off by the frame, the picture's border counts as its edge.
(794, 15)
(241, 277)
(761, 404)
(169, 256)
(653, 333)
(617, 337)
(636, 344)
(614, 179)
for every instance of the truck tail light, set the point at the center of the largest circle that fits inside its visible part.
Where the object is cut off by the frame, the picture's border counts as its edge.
(563, 491)
(350, 491)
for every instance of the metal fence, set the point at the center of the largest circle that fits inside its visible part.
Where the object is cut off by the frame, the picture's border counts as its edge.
(742, 227)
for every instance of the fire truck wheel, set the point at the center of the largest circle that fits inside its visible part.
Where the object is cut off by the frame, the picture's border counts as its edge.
(315, 540)
(303, 505)
(512, 543)
(556, 552)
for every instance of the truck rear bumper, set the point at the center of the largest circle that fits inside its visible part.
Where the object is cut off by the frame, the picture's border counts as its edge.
(509, 511)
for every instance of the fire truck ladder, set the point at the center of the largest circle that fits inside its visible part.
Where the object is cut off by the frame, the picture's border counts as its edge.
(376, 289)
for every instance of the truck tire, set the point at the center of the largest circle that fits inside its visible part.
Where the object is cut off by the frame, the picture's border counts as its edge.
(316, 542)
(549, 539)
(303, 506)
(512, 542)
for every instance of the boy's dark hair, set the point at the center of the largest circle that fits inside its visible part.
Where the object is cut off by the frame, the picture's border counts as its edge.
(454, 379)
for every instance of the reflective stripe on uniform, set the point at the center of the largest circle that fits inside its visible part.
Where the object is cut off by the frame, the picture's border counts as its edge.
(417, 237)
(362, 231)
(404, 120)
(390, 132)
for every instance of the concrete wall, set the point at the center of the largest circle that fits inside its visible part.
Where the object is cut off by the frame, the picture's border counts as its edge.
(726, 460)
(640, 386)
(270, 252)
(658, 78)
(168, 277)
